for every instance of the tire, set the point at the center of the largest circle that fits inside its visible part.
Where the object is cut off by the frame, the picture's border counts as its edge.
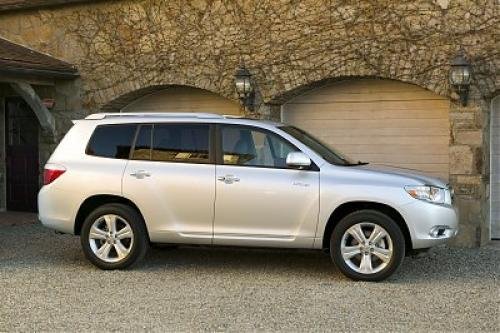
(121, 250)
(375, 261)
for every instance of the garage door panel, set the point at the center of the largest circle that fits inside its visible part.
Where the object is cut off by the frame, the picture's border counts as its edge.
(381, 140)
(380, 121)
(361, 98)
(410, 132)
(394, 149)
(369, 105)
(441, 124)
(409, 158)
(184, 99)
(322, 112)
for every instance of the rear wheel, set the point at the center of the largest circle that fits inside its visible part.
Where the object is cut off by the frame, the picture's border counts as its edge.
(367, 245)
(114, 236)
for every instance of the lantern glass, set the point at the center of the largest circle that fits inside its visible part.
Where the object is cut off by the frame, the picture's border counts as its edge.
(460, 75)
(243, 82)
(243, 86)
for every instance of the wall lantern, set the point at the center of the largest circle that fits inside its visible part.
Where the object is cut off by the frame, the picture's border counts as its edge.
(460, 76)
(244, 87)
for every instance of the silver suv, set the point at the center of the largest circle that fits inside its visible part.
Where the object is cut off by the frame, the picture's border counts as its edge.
(124, 181)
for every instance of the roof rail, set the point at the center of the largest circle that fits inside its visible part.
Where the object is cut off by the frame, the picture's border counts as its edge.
(99, 116)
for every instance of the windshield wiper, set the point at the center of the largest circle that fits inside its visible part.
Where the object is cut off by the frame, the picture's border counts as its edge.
(358, 163)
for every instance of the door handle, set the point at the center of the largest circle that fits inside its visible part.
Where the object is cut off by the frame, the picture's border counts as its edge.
(228, 179)
(140, 174)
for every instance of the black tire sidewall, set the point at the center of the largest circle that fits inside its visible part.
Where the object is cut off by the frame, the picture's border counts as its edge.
(374, 217)
(140, 242)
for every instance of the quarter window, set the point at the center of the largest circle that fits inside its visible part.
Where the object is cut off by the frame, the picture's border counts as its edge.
(181, 143)
(112, 141)
(252, 147)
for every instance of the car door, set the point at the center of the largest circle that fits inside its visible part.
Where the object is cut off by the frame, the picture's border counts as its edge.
(170, 177)
(261, 201)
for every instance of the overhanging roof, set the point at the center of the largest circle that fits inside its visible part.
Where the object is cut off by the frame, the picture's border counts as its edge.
(17, 59)
(7, 5)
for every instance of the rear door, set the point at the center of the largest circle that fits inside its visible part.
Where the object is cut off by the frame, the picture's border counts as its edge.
(170, 176)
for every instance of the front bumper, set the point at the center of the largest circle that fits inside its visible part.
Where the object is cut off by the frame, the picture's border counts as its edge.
(430, 224)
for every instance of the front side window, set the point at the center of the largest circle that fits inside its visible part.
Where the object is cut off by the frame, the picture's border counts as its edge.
(187, 143)
(249, 146)
(113, 141)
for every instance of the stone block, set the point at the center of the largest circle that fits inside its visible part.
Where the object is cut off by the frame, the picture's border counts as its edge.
(462, 161)
(469, 229)
(469, 137)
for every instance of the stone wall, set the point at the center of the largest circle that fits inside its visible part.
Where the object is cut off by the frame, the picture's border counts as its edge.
(126, 48)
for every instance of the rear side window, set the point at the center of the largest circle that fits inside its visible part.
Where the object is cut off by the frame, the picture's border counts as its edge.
(142, 149)
(186, 143)
(113, 141)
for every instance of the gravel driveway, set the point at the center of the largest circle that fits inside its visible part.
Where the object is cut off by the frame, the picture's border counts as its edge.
(47, 285)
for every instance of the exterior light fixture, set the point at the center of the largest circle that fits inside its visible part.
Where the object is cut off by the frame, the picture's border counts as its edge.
(460, 76)
(244, 87)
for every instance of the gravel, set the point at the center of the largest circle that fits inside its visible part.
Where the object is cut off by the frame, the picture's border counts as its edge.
(46, 284)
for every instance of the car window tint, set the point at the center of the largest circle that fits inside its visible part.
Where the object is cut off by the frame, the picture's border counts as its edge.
(142, 148)
(252, 147)
(112, 141)
(181, 143)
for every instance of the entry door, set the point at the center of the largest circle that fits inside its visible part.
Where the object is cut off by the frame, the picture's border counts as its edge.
(259, 200)
(495, 168)
(171, 176)
(21, 156)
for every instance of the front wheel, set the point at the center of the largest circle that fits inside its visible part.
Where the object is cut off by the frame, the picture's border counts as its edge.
(367, 245)
(114, 236)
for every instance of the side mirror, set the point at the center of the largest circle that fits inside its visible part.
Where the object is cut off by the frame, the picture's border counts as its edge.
(298, 160)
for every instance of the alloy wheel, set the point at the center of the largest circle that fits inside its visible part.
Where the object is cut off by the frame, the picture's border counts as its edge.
(111, 238)
(366, 247)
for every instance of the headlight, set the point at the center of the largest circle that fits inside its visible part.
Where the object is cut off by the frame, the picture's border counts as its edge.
(432, 194)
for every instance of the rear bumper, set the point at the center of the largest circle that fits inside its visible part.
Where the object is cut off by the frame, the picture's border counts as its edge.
(55, 210)
(430, 224)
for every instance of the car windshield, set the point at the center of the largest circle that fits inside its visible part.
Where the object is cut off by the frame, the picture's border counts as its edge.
(329, 154)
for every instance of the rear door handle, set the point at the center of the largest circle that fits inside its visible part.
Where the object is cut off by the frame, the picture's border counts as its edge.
(228, 179)
(140, 174)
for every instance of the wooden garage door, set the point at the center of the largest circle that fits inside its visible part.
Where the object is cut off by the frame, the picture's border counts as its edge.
(378, 121)
(183, 99)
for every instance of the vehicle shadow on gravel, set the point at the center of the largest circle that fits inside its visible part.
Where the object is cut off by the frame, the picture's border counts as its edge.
(32, 246)
(438, 264)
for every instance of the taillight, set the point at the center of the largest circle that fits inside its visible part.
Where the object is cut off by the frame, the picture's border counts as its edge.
(51, 173)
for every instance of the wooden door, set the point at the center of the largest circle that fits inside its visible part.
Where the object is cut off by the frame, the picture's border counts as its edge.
(184, 99)
(21, 156)
(378, 121)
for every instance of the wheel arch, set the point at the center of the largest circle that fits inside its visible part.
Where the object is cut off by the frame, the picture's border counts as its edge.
(98, 200)
(352, 206)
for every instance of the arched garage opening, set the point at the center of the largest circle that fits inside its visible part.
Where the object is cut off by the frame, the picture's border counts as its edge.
(383, 122)
(183, 99)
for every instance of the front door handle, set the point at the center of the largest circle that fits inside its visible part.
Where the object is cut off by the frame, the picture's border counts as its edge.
(140, 174)
(228, 179)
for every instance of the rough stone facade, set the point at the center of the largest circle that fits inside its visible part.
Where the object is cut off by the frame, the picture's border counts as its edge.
(124, 49)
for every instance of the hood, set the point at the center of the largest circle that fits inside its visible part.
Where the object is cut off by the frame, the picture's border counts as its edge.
(401, 172)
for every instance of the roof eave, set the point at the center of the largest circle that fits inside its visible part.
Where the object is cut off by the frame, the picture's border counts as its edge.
(45, 73)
